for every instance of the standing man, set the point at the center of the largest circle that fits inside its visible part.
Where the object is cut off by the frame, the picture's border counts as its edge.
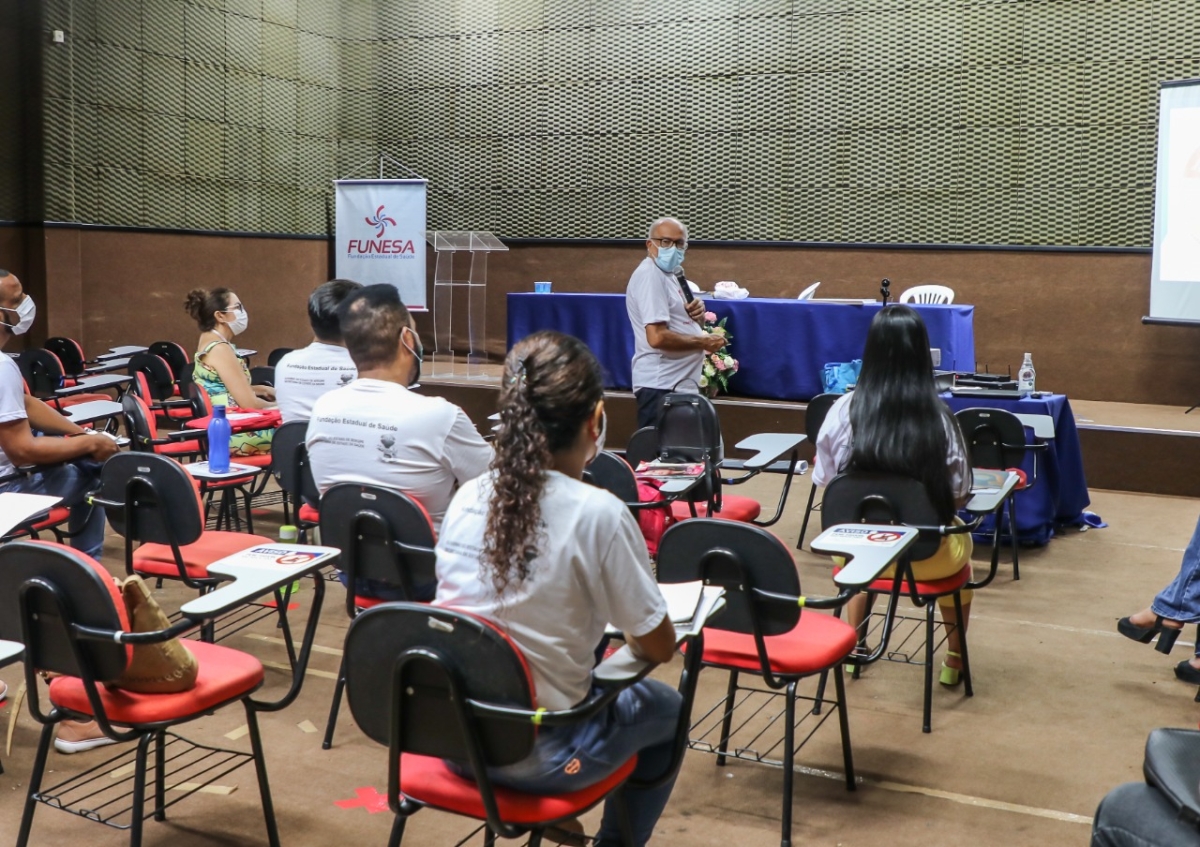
(668, 341)
(305, 374)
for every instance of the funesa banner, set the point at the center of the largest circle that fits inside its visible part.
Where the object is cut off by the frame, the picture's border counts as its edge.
(380, 235)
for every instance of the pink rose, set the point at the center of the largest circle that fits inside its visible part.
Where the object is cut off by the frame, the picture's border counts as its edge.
(718, 364)
(711, 317)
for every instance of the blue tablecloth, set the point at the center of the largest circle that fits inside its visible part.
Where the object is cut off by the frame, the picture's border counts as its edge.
(782, 345)
(1060, 494)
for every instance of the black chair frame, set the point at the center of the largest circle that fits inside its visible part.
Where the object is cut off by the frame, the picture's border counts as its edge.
(371, 549)
(293, 473)
(737, 565)
(489, 733)
(59, 636)
(814, 418)
(902, 501)
(995, 438)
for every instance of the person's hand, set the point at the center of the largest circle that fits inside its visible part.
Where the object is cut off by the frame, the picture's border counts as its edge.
(265, 392)
(695, 310)
(712, 342)
(101, 446)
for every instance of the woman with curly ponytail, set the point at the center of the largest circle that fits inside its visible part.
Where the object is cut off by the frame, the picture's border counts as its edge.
(553, 560)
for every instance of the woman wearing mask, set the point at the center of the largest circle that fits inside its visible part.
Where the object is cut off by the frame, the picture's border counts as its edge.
(220, 315)
(550, 560)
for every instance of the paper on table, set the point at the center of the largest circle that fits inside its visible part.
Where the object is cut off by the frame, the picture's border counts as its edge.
(662, 470)
(987, 481)
(682, 599)
(712, 600)
(234, 469)
(16, 509)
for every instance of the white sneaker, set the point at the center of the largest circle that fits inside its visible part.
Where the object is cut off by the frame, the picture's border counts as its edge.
(81, 745)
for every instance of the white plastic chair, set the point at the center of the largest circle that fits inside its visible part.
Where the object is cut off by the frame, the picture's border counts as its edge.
(928, 294)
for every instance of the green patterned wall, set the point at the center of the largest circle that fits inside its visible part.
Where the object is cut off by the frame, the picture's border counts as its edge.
(1026, 122)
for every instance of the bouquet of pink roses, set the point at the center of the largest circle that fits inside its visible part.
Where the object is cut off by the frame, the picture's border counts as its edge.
(720, 366)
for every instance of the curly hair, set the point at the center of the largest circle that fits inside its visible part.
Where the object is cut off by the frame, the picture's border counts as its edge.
(552, 384)
(203, 306)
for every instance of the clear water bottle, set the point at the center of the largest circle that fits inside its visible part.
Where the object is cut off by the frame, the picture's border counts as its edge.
(1026, 376)
(218, 441)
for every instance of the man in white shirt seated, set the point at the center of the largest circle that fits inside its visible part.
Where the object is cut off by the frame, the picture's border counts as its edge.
(375, 431)
(305, 374)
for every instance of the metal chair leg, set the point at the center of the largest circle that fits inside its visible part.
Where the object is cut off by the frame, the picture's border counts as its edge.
(962, 641)
(334, 707)
(812, 494)
(139, 789)
(789, 763)
(260, 767)
(727, 720)
(928, 712)
(839, 685)
(1012, 529)
(160, 776)
(35, 783)
(397, 831)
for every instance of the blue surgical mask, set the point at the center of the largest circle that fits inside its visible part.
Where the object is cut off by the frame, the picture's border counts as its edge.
(669, 259)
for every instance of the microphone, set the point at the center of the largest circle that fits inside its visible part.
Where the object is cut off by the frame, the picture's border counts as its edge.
(688, 296)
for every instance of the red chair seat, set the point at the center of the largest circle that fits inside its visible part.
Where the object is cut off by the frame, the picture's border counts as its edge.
(176, 448)
(931, 588)
(733, 508)
(156, 559)
(175, 413)
(428, 781)
(58, 514)
(308, 514)
(363, 602)
(1022, 478)
(76, 399)
(224, 675)
(818, 642)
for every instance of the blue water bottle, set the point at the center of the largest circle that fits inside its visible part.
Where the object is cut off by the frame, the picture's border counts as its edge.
(218, 441)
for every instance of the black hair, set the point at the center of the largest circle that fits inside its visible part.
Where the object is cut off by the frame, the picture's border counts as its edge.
(203, 306)
(371, 319)
(552, 383)
(323, 308)
(899, 423)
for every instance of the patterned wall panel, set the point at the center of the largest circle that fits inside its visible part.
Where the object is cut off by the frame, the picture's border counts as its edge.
(1022, 122)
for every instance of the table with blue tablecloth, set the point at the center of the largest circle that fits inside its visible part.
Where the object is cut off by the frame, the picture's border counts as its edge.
(1060, 494)
(781, 345)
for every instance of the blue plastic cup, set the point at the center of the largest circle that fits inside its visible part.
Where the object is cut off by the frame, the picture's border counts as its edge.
(542, 287)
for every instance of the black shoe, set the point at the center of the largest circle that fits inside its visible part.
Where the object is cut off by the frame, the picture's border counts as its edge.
(1184, 672)
(1145, 634)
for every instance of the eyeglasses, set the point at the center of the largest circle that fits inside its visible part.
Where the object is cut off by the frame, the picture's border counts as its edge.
(681, 243)
(236, 307)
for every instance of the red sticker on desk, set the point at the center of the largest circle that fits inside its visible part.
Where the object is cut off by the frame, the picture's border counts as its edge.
(296, 558)
(885, 537)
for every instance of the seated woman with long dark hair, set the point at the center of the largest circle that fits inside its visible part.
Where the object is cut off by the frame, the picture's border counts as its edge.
(551, 560)
(894, 422)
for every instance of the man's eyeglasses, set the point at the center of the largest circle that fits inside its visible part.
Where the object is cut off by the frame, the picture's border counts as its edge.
(681, 243)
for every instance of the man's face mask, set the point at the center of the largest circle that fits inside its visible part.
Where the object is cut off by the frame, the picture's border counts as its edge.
(418, 353)
(26, 311)
(669, 259)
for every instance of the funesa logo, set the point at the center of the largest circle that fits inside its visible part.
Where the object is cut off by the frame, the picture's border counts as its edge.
(380, 247)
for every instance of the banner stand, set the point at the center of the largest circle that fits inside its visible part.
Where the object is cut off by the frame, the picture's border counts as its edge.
(474, 287)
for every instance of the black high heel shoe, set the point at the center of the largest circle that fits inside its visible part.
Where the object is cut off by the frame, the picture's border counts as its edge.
(1184, 672)
(1167, 635)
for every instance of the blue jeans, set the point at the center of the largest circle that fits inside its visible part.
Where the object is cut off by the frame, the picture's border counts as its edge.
(1138, 815)
(379, 590)
(1180, 601)
(641, 720)
(70, 482)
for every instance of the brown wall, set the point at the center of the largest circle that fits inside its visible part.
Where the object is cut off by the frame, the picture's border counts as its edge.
(1079, 314)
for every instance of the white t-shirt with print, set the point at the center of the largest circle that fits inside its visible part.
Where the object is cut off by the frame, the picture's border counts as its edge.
(374, 432)
(306, 374)
(12, 401)
(654, 297)
(591, 569)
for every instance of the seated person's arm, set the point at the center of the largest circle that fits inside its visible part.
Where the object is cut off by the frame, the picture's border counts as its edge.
(264, 392)
(466, 451)
(22, 448)
(656, 646)
(45, 419)
(960, 469)
(225, 362)
(661, 338)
